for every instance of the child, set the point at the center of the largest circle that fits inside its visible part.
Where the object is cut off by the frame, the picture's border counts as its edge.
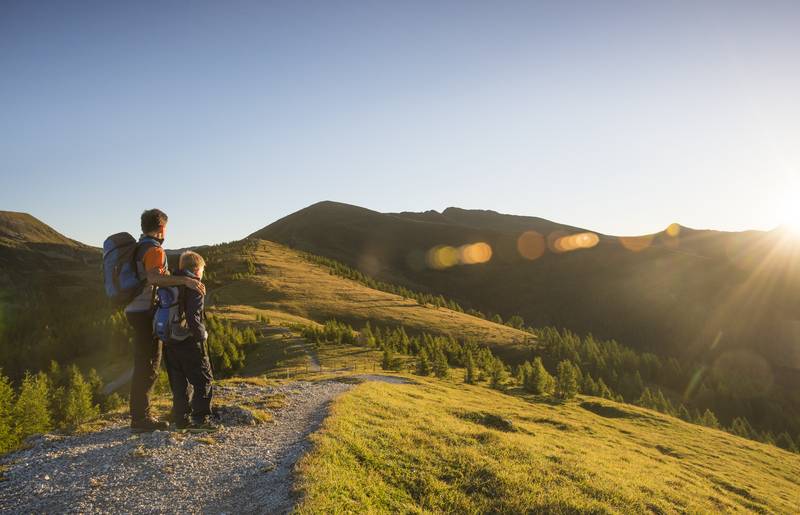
(186, 359)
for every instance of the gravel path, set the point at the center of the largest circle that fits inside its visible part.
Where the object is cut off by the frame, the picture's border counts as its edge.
(240, 469)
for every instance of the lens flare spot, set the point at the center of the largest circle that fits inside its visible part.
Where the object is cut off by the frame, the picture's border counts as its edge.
(673, 231)
(582, 240)
(443, 256)
(554, 241)
(531, 245)
(475, 253)
(636, 243)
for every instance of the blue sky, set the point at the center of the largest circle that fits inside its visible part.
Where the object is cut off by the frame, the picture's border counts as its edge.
(621, 117)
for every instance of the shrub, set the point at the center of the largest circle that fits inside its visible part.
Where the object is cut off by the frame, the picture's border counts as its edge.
(31, 411)
(78, 406)
(8, 438)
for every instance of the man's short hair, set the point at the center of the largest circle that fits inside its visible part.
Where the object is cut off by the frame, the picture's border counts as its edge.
(191, 261)
(152, 220)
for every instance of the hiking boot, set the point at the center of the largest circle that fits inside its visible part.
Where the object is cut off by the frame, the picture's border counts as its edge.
(205, 425)
(148, 425)
(183, 423)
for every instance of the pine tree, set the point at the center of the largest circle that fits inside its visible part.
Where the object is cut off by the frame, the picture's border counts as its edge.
(523, 371)
(784, 441)
(8, 437)
(469, 374)
(566, 381)
(604, 390)
(96, 386)
(31, 411)
(741, 427)
(516, 322)
(646, 399)
(767, 437)
(423, 363)
(78, 406)
(367, 335)
(387, 363)
(589, 387)
(440, 366)
(662, 404)
(709, 419)
(498, 374)
(539, 381)
(684, 414)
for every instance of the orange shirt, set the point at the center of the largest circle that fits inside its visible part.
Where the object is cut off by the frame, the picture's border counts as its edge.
(154, 258)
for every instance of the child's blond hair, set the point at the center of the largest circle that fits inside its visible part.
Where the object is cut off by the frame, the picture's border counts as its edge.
(191, 261)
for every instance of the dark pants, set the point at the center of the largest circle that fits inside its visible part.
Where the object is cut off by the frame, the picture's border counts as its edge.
(187, 364)
(146, 361)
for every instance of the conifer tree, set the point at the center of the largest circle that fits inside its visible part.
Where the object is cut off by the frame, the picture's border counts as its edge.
(96, 386)
(741, 427)
(469, 374)
(566, 380)
(367, 336)
(604, 390)
(589, 387)
(784, 441)
(387, 363)
(440, 366)
(539, 381)
(516, 322)
(646, 399)
(767, 437)
(684, 414)
(8, 437)
(423, 363)
(498, 374)
(662, 404)
(78, 405)
(523, 371)
(31, 411)
(709, 419)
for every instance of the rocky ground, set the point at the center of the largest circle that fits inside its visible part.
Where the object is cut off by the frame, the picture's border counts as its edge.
(246, 467)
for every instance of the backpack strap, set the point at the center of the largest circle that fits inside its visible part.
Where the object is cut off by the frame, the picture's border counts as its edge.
(144, 244)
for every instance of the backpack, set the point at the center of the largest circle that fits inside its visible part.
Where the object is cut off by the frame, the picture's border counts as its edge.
(169, 321)
(120, 270)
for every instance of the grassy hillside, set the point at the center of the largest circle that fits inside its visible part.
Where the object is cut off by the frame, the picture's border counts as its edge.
(671, 293)
(24, 230)
(288, 288)
(437, 447)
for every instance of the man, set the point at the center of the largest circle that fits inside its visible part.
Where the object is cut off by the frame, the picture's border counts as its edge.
(151, 261)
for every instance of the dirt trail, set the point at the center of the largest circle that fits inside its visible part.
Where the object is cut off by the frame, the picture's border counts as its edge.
(240, 469)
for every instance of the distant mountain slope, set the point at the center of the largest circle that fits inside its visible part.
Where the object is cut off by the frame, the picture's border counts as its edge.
(32, 251)
(288, 288)
(673, 292)
(24, 230)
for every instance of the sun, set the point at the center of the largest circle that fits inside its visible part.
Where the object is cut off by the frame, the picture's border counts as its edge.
(789, 210)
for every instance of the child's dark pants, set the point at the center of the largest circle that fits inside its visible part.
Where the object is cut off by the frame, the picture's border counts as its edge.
(188, 364)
